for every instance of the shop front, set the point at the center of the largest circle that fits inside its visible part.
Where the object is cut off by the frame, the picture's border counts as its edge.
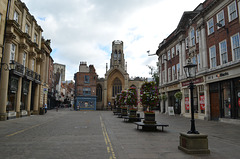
(225, 99)
(224, 94)
(199, 96)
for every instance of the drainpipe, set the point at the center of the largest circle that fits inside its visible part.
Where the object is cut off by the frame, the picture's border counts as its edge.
(4, 35)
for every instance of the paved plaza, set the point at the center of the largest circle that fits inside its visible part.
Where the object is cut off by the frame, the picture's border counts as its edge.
(70, 134)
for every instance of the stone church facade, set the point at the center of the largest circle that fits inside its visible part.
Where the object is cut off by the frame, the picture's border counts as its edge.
(116, 78)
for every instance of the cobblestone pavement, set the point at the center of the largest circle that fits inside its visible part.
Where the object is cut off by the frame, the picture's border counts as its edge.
(70, 134)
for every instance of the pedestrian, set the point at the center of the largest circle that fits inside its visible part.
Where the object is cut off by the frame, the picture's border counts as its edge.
(45, 108)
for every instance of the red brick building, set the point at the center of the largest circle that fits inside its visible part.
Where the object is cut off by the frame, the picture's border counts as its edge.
(209, 37)
(85, 87)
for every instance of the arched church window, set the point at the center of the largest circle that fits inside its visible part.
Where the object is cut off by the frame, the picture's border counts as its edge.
(117, 87)
(99, 93)
(119, 55)
(115, 55)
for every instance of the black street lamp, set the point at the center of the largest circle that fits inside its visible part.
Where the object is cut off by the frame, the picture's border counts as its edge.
(190, 70)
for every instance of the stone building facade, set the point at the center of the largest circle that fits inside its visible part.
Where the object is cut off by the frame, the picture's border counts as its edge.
(209, 37)
(24, 86)
(85, 87)
(59, 68)
(116, 78)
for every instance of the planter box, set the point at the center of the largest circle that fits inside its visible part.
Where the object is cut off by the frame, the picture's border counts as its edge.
(133, 113)
(124, 112)
(149, 118)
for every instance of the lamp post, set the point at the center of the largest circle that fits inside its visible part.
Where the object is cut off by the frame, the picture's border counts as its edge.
(190, 70)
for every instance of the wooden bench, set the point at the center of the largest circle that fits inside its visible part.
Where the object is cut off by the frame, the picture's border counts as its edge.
(116, 113)
(150, 126)
(129, 118)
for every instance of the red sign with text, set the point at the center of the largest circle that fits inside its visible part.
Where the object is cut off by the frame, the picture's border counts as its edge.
(239, 102)
(187, 103)
(202, 102)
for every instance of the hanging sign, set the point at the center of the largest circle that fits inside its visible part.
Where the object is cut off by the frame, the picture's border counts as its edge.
(239, 102)
(202, 102)
(187, 103)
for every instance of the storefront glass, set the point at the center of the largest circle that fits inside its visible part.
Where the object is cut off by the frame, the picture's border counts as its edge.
(226, 96)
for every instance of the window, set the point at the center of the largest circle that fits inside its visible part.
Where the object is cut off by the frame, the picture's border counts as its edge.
(33, 63)
(210, 26)
(232, 11)
(115, 55)
(220, 18)
(192, 36)
(169, 55)
(169, 74)
(119, 55)
(223, 52)
(12, 53)
(35, 38)
(199, 61)
(178, 70)
(173, 73)
(27, 28)
(212, 53)
(186, 40)
(163, 76)
(24, 59)
(86, 91)
(0, 17)
(16, 16)
(86, 79)
(197, 36)
(117, 87)
(173, 52)
(177, 49)
(235, 47)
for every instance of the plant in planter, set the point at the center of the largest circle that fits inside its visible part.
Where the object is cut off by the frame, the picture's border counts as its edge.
(123, 102)
(178, 95)
(118, 103)
(131, 101)
(149, 98)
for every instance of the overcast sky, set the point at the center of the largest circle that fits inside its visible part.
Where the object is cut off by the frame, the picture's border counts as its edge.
(83, 30)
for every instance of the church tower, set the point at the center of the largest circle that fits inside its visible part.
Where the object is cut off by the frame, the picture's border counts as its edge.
(117, 55)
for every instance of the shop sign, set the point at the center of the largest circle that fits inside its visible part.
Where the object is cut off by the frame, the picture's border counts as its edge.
(202, 102)
(195, 81)
(239, 102)
(187, 103)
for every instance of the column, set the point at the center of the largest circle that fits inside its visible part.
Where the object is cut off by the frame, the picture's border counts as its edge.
(105, 93)
(29, 98)
(183, 55)
(160, 70)
(5, 77)
(36, 96)
(204, 47)
(180, 60)
(207, 102)
(47, 69)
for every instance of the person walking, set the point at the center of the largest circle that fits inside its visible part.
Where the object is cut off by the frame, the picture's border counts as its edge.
(45, 107)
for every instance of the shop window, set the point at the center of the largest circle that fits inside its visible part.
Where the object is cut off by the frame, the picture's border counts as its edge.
(186, 100)
(201, 99)
(169, 54)
(226, 95)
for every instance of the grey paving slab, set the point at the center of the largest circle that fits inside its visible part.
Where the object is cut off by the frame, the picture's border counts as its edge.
(101, 135)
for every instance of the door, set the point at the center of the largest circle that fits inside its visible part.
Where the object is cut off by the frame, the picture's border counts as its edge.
(214, 106)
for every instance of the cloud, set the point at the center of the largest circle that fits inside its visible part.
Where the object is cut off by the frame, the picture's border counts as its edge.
(83, 30)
